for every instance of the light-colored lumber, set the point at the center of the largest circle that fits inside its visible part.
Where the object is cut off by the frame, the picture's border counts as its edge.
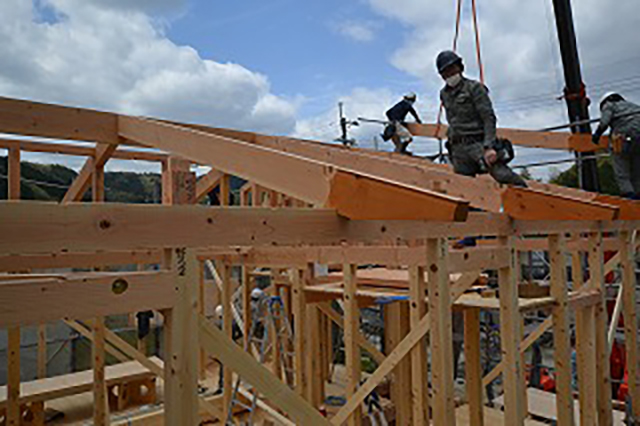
(299, 321)
(100, 401)
(225, 190)
(471, 259)
(530, 204)
(22, 262)
(424, 174)
(472, 366)
(82, 182)
(182, 360)
(216, 343)
(338, 319)
(178, 182)
(630, 313)
(14, 174)
(315, 183)
(24, 302)
(351, 330)
(441, 332)
(419, 377)
(561, 331)
(510, 338)
(585, 349)
(415, 335)
(629, 209)
(30, 118)
(227, 324)
(530, 138)
(14, 413)
(78, 150)
(207, 183)
(34, 227)
(603, 374)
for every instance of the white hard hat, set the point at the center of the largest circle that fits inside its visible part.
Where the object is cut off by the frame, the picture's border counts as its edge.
(256, 293)
(411, 96)
(219, 312)
(607, 96)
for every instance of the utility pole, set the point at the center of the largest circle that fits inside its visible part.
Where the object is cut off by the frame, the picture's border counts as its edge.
(575, 92)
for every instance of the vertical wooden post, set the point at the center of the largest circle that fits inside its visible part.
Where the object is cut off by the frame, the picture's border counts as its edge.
(603, 375)
(42, 351)
(14, 413)
(585, 349)
(182, 347)
(630, 314)
(419, 377)
(178, 182)
(510, 339)
(472, 366)
(351, 330)
(225, 190)
(202, 311)
(315, 379)
(13, 358)
(561, 331)
(247, 287)
(441, 333)
(227, 326)
(299, 321)
(100, 400)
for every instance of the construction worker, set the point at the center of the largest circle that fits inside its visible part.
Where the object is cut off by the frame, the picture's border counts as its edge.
(473, 146)
(397, 130)
(623, 118)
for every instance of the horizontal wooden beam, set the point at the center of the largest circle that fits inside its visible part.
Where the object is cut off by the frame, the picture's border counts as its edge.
(28, 118)
(459, 260)
(78, 150)
(530, 204)
(530, 138)
(39, 301)
(352, 194)
(58, 260)
(37, 227)
(629, 209)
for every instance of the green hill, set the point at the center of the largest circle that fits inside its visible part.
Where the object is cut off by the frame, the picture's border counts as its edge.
(49, 182)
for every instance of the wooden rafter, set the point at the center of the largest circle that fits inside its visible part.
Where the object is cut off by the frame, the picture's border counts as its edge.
(315, 182)
(207, 183)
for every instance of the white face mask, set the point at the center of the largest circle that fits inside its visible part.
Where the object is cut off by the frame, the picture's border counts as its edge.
(454, 80)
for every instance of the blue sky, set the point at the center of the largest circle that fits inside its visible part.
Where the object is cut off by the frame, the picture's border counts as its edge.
(298, 45)
(281, 66)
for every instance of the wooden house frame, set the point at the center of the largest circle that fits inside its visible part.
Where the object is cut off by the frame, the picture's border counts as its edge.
(307, 203)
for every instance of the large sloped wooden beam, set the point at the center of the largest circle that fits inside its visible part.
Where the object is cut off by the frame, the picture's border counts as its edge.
(347, 191)
(481, 193)
(529, 204)
(530, 138)
(29, 118)
(82, 182)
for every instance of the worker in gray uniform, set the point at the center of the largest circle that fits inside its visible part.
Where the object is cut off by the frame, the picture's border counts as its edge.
(623, 118)
(473, 146)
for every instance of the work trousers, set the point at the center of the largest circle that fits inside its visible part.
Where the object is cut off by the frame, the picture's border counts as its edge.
(467, 159)
(627, 171)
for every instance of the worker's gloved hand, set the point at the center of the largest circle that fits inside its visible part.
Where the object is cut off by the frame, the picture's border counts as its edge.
(595, 138)
(490, 156)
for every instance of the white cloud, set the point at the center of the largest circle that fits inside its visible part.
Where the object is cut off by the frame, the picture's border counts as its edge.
(360, 31)
(113, 56)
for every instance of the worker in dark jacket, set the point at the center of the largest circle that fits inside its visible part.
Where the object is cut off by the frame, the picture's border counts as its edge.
(623, 118)
(399, 134)
(472, 144)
